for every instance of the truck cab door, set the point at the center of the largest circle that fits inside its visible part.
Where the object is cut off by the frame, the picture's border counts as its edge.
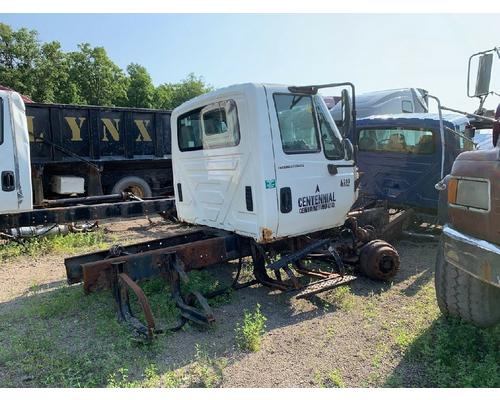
(15, 167)
(315, 184)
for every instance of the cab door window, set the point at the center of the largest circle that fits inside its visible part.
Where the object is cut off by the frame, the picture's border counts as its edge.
(210, 127)
(296, 119)
(220, 125)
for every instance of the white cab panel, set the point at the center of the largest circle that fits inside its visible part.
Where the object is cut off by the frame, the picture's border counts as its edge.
(229, 166)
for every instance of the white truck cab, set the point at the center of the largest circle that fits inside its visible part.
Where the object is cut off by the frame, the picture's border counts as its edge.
(15, 165)
(265, 161)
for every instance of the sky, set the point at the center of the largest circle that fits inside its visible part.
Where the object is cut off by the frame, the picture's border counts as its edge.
(373, 51)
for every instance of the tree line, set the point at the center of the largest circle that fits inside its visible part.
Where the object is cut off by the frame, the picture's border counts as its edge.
(47, 74)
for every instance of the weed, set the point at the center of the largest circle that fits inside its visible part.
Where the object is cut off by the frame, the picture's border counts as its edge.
(330, 332)
(249, 334)
(448, 351)
(119, 379)
(343, 297)
(382, 350)
(333, 379)
(369, 310)
(65, 244)
(318, 379)
(171, 379)
(207, 371)
(403, 338)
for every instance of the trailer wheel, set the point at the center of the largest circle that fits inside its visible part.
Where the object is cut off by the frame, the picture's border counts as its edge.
(134, 185)
(460, 294)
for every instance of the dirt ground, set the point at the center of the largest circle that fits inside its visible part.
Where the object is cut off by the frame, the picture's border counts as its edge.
(356, 337)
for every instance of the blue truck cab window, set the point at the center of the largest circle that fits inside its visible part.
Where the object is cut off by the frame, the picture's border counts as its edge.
(396, 139)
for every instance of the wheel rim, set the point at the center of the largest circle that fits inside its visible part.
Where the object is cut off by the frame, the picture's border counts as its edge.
(136, 191)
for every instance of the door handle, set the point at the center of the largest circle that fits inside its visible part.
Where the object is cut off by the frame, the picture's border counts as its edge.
(8, 181)
(332, 169)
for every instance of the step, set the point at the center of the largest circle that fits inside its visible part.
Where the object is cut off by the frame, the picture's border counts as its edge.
(323, 285)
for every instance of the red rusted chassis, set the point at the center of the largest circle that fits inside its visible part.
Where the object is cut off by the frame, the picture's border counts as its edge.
(173, 256)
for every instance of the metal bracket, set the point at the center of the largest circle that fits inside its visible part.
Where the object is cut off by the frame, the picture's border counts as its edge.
(120, 285)
(174, 272)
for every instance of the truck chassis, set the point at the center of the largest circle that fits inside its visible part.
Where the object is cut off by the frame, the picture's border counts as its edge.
(347, 248)
(124, 205)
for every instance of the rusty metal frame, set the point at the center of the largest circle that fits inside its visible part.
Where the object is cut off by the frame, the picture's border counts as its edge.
(173, 256)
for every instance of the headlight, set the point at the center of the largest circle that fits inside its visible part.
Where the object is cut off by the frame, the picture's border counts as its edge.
(469, 193)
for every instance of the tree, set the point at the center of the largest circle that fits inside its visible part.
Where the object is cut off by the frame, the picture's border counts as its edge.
(19, 56)
(87, 76)
(170, 95)
(98, 79)
(52, 73)
(140, 90)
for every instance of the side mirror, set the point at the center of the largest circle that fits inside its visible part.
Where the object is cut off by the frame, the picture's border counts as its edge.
(483, 75)
(348, 149)
(346, 113)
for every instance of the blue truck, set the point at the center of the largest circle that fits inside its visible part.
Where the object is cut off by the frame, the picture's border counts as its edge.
(402, 156)
(403, 150)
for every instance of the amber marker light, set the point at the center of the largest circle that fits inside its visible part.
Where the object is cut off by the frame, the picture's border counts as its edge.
(452, 190)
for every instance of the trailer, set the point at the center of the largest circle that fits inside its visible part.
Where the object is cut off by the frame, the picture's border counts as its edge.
(67, 163)
(90, 151)
(261, 172)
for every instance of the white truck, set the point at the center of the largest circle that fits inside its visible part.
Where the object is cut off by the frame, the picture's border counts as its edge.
(15, 163)
(262, 161)
(259, 170)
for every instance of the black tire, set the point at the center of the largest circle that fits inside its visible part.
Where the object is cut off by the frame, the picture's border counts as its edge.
(133, 184)
(460, 294)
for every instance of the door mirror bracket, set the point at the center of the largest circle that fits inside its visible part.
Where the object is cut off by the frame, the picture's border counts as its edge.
(348, 149)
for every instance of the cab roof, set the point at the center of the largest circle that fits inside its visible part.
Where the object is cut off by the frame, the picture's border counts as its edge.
(409, 118)
(240, 88)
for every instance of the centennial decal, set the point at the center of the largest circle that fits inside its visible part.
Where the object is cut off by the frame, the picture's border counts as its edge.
(316, 202)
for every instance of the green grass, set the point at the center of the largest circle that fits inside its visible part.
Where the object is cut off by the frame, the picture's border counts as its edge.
(343, 297)
(62, 244)
(249, 333)
(457, 354)
(332, 379)
(64, 338)
(206, 371)
(447, 351)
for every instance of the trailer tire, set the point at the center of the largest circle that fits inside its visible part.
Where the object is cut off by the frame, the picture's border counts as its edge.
(461, 294)
(133, 184)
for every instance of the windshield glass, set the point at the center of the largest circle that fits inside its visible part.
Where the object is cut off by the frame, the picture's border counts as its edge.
(330, 136)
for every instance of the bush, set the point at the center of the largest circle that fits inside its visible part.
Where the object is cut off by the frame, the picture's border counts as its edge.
(249, 335)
